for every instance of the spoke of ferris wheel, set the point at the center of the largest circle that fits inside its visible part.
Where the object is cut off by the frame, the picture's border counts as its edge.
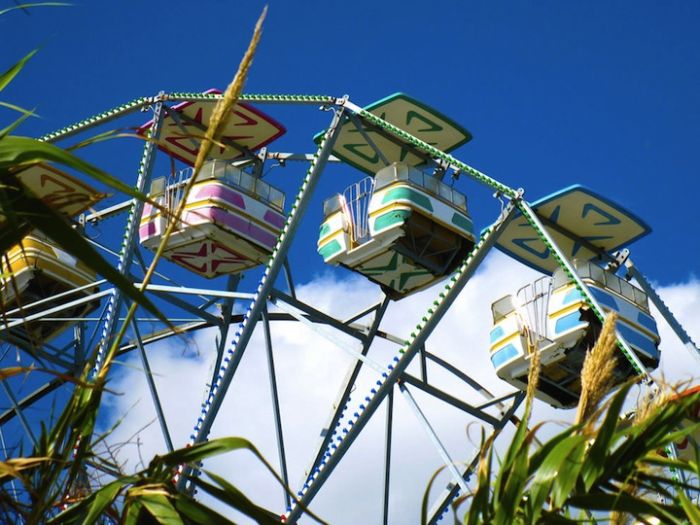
(534, 221)
(18, 410)
(308, 312)
(226, 310)
(442, 451)
(346, 387)
(143, 181)
(46, 313)
(468, 380)
(411, 348)
(152, 387)
(387, 455)
(350, 320)
(279, 435)
(349, 348)
(666, 313)
(359, 127)
(442, 502)
(449, 399)
(288, 278)
(253, 314)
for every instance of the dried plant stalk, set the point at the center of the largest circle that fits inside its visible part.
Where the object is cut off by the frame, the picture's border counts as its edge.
(598, 369)
(533, 379)
(222, 110)
(218, 120)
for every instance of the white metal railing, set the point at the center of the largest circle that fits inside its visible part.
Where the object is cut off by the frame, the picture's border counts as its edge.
(416, 177)
(355, 200)
(606, 279)
(223, 171)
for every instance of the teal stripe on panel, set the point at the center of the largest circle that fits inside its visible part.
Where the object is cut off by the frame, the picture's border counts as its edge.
(504, 354)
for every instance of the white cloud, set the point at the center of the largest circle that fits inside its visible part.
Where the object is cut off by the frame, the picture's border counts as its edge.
(310, 371)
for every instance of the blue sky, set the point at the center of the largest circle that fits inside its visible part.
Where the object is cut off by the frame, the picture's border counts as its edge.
(604, 94)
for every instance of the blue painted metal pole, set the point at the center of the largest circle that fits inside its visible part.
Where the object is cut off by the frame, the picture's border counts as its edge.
(129, 239)
(665, 311)
(418, 339)
(212, 404)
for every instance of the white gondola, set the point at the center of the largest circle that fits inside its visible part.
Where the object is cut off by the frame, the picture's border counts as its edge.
(230, 222)
(403, 229)
(550, 316)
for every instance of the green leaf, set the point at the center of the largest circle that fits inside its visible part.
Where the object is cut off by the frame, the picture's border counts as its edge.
(133, 512)
(691, 511)
(481, 506)
(89, 509)
(597, 454)
(38, 4)
(54, 225)
(17, 153)
(201, 451)
(161, 509)
(623, 502)
(235, 499)
(197, 512)
(11, 73)
(426, 494)
(558, 473)
(10, 128)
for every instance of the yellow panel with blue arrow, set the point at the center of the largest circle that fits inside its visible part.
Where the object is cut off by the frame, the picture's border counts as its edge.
(423, 122)
(582, 223)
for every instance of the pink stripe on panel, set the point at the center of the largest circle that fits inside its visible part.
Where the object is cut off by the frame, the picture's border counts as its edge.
(243, 226)
(219, 191)
(275, 219)
(148, 230)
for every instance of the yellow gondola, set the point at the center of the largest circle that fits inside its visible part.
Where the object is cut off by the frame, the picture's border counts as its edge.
(36, 270)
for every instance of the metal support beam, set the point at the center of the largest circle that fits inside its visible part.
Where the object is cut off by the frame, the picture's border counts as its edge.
(663, 309)
(314, 315)
(152, 387)
(360, 128)
(129, 239)
(225, 323)
(452, 490)
(566, 265)
(447, 398)
(290, 281)
(442, 451)
(387, 454)
(423, 365)
(346, 388)
(216, 395)
(16, 408)
(184, 305)
(424, 330)
(276, 408)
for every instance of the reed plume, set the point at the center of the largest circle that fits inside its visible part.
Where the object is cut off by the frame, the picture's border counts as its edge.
(533, 379)
(598, 369)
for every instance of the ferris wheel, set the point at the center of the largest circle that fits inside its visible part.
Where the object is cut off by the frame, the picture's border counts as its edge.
(402, 224)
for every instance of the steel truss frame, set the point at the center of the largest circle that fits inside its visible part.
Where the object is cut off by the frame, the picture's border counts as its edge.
(340, 432)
